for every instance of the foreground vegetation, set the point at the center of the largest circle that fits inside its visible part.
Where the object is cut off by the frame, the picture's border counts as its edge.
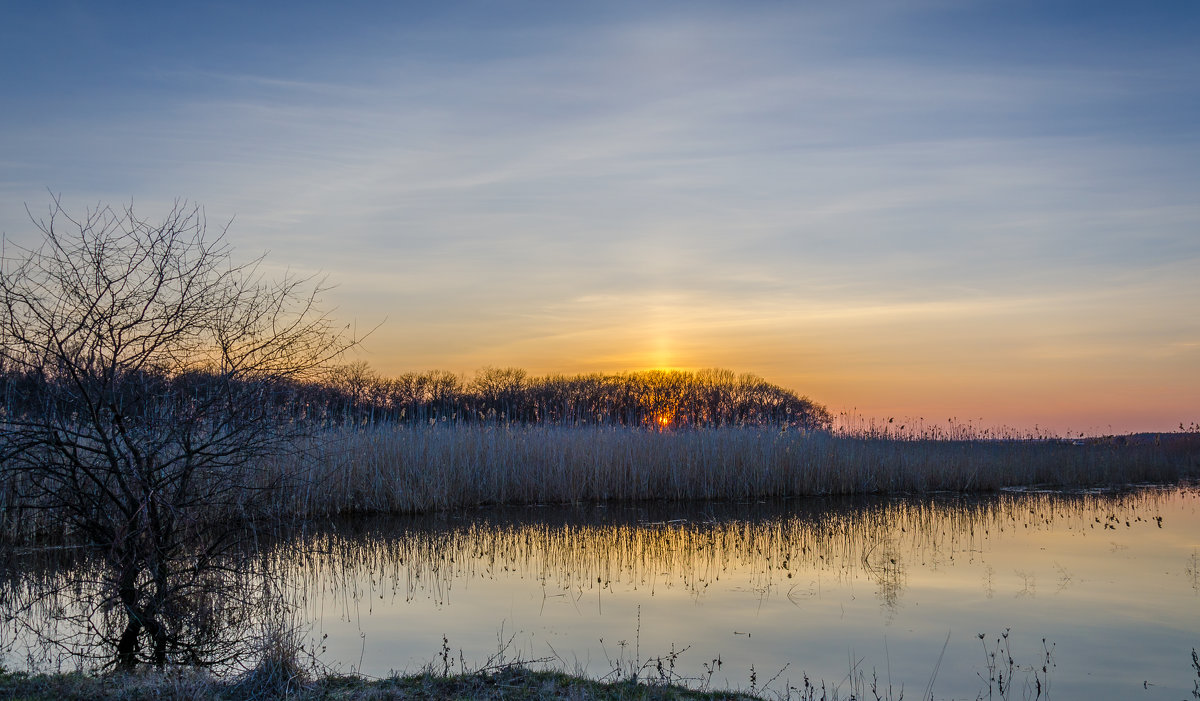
(509, 683)
(280, 679)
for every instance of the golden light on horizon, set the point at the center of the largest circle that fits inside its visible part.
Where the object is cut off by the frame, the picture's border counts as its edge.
(662, 352)
(1025, 362)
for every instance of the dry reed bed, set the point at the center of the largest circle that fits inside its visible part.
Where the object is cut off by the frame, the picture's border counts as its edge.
(406, 469)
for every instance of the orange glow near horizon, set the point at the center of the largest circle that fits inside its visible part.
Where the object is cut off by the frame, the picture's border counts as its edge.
(985, 382)
(1097, 365)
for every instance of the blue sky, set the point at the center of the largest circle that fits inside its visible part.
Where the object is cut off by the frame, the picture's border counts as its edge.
(986, 210)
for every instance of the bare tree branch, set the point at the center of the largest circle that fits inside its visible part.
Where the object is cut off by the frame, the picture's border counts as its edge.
(145, 376)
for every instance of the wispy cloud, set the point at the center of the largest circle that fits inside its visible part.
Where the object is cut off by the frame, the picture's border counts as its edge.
(776, 184)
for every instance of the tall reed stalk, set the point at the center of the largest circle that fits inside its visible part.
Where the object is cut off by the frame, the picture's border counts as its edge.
(415, 469)
(406, 469)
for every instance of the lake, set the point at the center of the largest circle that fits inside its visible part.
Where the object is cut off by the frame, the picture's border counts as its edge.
(1091, 595)
(1100, 590)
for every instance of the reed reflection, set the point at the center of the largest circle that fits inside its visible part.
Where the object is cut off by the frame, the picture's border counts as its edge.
(802, 572)
(762, 546)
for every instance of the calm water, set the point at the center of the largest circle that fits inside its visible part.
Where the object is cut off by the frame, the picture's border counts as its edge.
(833, 588)
(1103, 590)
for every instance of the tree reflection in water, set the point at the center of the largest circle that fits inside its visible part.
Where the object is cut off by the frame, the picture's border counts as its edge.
(63, 607)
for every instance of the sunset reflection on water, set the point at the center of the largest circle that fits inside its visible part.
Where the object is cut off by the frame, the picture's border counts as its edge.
(823, 586)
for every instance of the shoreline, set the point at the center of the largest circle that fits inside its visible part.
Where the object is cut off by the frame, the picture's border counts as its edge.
(510, 682)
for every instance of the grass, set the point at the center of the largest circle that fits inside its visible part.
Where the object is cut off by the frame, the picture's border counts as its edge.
(394, 469)
(510, 683)
(503, 680)
(287, 669)
(653, 679)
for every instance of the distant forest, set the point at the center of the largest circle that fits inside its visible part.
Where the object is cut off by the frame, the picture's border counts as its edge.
(354, 394)
(655, 398)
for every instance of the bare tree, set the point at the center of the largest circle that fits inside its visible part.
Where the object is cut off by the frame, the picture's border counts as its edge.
(146, 376)
(498, 392)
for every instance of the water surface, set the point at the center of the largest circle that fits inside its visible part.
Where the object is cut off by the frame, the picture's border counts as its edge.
(1092, 595)
(1100, 590)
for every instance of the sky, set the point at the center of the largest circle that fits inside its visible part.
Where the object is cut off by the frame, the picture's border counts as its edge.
(980, 211)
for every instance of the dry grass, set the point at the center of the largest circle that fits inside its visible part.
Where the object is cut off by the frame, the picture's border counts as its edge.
(514, 682)
(404, 469)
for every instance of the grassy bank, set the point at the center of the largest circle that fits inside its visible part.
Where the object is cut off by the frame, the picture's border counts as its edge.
(399, 469)
(508, 683)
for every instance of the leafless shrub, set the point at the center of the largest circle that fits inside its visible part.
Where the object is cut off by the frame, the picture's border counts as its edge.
(145, 376)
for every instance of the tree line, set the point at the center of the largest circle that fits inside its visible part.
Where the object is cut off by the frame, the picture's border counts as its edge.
(660, 399)
(355, 395)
